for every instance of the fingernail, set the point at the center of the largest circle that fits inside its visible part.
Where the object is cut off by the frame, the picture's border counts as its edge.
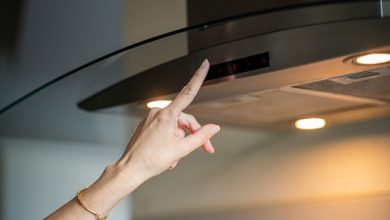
(214, 129)
(204, 63)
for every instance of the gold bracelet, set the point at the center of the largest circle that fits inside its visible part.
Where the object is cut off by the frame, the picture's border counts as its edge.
(97, 215)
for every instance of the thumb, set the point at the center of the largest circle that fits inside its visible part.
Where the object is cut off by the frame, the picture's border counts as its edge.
(199, 138)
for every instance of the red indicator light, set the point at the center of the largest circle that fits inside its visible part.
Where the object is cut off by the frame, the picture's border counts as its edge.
(238, 66)
(234, 66)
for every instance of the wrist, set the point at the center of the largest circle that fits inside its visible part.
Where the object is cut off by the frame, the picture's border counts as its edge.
(111, 187)
(125, 179)
(132, 168)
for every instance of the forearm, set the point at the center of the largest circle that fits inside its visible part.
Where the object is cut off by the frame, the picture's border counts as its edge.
(71, 210)
(111, 187)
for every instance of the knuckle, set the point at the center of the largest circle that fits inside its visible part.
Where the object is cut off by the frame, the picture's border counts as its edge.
(198, 139)
(191, 117)
(164, 115)
(162, 112)
(203, 136)
(172, 113)
(187, 90)
(192, 120)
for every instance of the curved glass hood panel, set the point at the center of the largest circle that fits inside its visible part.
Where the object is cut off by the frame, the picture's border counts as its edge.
(52, 111)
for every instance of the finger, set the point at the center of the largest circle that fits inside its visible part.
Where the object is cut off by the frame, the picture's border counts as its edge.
(190, 123)
(188, 93)
(180, 133)
(199, 138)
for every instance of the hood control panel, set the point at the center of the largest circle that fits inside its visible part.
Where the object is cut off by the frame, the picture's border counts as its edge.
(238, 66)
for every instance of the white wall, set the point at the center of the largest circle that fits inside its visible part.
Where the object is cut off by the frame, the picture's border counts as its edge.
(57, 36)
(38, 176)
(342, 170)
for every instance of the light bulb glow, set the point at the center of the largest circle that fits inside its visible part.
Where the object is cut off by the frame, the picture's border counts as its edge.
(374, 58)
(310, 123)
(158, 104)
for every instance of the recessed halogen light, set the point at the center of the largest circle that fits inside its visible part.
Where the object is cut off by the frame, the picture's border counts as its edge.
(310, 123)
(373, 58)
(158, 104)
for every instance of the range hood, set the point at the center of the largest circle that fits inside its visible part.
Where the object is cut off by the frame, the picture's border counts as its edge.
(273, 66)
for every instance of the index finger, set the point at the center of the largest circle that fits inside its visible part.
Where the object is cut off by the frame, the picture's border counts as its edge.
(188, 93)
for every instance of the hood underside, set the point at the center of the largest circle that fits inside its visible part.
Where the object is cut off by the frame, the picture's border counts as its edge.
(332, 99)
(304, 70)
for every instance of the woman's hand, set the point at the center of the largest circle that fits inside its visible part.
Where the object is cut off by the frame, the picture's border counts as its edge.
(160, 142)
(157, 145)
